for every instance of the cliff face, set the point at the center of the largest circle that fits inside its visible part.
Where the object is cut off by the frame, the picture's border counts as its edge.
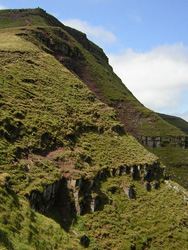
(66, 159)
(85, 194)
(158, 142)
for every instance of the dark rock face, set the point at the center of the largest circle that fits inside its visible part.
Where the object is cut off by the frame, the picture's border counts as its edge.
(84, 241)
(88, 45)
(155, 185)
(135, 172)
(42, 202)
(133, 247)
(148, 186)
(80, 196)
(56, 196)
(131, 192)
(158, 141)
(61, 47)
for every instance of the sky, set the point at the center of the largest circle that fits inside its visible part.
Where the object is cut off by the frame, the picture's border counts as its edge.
(146, 42)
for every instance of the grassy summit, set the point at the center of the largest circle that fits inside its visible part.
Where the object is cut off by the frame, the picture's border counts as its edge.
(67, 165)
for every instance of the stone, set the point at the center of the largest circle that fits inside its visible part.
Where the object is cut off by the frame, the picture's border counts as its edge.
(113, 172)
(130, 192)
(72, 183)
(84, 241)
(147, 186)
(168, 183)
(155, 185)
(176, 189)
(133, 247)
(94, 203)
(185, 198)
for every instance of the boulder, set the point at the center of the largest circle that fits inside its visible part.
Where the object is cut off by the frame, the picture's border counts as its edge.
(84, 241)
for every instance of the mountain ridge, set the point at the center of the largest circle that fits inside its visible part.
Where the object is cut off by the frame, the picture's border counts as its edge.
(68, 164)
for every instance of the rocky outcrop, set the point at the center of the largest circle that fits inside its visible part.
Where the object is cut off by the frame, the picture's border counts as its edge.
(43, 201)
(88, 45)
(177, 189)
(83, 195)
(62, 46)
(84, 241)
(130, 192)
(158, 141)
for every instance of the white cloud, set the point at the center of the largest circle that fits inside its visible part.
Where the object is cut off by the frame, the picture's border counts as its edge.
(158, 78)
(96, 33)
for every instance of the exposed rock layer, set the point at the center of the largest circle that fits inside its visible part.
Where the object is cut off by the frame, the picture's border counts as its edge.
(83, 195)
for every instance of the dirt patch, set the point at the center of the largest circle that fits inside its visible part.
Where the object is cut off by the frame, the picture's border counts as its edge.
(14, 16)
(28, 22)
(54, 158)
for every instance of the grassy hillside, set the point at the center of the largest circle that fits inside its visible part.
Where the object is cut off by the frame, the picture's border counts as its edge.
(137, 119)
(44, 107)
(66, 163)
(153, 220)
(150, 221)
(176, 121)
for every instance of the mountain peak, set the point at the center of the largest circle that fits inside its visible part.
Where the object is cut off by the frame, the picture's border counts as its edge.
(27, 17)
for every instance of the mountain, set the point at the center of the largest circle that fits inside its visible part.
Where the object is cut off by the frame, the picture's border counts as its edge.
(175, 121)
(89, 63)
(72, 173)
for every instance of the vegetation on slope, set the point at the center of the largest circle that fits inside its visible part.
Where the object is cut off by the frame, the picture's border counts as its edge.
(156, 219)
(175, 121)
(137, 119)
(45, 107)
(150, 221)
(22, 228)
(52, 127)
(176, 162)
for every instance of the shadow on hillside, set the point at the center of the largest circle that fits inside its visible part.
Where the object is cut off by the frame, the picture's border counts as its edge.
(63, 211)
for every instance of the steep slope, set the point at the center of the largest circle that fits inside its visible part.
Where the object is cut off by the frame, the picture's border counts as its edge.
(106, 85)
(67, 166)
(89, 63)
(175, 121)
(141, 122)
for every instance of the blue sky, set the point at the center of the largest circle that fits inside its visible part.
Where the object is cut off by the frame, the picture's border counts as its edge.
(146, 42)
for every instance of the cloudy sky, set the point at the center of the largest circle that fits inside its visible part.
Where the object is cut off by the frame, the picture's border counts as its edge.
(146, 42)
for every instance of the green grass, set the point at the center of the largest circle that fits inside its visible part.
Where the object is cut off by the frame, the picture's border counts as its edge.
(24, 17)
(45, 107)
(9, 41)
(175, 159)
(108, 87)
(22, 228)
(52, 125)
(153, 220)
(176, 121)
(156, 219)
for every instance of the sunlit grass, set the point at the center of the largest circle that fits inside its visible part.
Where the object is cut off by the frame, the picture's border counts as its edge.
(9, 41)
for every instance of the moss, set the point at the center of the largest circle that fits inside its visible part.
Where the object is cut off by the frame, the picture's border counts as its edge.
(175, 159)
(176, 121)
(146, 221)
(52, 125)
